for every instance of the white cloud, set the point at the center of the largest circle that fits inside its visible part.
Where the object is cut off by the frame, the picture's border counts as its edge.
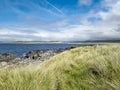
(108, 28)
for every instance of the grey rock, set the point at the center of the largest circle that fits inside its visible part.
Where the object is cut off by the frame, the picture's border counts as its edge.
(42, 54)
(34, 57)
(7, 57)
(3, 63)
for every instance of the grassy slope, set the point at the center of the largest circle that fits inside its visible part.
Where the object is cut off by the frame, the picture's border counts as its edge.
(82, 68)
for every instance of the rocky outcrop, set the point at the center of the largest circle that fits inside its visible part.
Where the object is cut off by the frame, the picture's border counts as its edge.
(42, 54)
(32, 57)
(7, 57)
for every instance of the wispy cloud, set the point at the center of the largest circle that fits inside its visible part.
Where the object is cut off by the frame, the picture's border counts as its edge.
(76, 27)
(54, 7)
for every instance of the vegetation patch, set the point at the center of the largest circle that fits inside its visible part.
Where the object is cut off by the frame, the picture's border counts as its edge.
(81, 68)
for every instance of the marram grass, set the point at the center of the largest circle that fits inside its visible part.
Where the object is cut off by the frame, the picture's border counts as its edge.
(82, 68)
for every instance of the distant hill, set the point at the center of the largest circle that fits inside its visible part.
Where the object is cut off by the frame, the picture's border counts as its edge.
(57, 42)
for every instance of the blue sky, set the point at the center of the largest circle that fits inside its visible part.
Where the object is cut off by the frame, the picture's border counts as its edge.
(59, 20)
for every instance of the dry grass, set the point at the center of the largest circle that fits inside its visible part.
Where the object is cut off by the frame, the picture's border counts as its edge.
(82, 68)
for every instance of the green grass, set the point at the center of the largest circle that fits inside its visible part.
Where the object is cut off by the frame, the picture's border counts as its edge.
(82, 68)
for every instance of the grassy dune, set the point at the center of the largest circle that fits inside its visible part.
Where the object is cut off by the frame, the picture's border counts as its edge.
(82, 68)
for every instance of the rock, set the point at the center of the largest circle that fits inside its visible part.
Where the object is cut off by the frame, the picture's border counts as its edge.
(7, 57)
(34, 57)
(72, 47)
(3, 63)
(42, 54)
(16, 60)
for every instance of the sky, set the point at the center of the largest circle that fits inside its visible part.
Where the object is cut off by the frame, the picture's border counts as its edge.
(59, 20)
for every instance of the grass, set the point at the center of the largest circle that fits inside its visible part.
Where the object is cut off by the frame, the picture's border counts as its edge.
(82, 68)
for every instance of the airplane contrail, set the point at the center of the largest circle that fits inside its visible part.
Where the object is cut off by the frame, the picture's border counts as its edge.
(54, 7)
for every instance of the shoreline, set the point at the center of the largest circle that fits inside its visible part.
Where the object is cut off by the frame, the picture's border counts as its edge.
(34, 57)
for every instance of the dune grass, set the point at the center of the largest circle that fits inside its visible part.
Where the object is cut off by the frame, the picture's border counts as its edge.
(82, 68)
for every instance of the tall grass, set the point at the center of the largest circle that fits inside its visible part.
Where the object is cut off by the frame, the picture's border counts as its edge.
(82, 68)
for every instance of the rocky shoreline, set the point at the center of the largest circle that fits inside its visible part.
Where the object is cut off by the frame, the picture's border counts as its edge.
(32, 57)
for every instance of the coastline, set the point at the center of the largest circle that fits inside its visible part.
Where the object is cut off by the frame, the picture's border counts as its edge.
(34, 57)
